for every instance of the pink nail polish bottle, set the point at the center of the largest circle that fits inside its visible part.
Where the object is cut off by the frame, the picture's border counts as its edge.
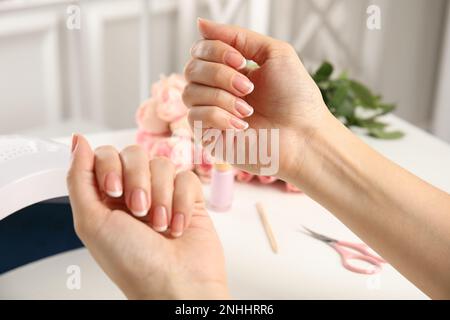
(222, 185)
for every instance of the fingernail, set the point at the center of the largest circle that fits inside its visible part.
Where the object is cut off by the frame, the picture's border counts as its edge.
(139, 203)
(243, 108)
(160, 219)
(177, 226)
(113, 185)
(242, 84)
(235, 60)
(238, 124)
(74, 142)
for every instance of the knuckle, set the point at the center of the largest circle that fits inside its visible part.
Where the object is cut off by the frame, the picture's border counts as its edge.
(187, 95)
(105, 150)
(190, 178)
(285, 48)
(209, 51)
(195, 47)
(187, 175)
(215, 114)
(192, 116)
(217, 75)
(134, 148)
(163, 164)
(189, 69)
(218, 96)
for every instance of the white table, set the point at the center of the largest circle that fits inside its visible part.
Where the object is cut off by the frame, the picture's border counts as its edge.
(304, 268)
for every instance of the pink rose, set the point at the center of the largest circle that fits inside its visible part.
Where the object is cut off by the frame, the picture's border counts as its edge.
(148, 140)
(178, 149)
(243, 176)
(168, 94)
(266, 179)
(147, 119)
(203, 169)
(181, 127)
(292, 188)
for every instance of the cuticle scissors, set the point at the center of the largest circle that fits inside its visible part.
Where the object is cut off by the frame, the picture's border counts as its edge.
(351, 251)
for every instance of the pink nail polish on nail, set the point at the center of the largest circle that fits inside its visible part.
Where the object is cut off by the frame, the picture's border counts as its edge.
(139, 203)
(242, 84)
(113, 185)
(177, 226)
(160, 219)
(243, 108)
(238, 124)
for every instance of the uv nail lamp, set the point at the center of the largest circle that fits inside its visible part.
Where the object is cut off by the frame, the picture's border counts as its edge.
(31, 170)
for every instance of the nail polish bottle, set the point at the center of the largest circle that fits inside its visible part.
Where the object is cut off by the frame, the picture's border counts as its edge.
(222, 185)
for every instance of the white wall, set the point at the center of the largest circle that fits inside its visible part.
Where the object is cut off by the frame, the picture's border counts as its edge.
(89, 79)
(441, 115)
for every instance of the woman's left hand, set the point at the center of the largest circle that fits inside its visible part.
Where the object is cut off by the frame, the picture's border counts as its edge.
(146, 226)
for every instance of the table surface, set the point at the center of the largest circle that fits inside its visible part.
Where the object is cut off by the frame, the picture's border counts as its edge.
(304, 268)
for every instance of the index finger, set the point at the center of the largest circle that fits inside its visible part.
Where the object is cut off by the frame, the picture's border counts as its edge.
(220, 52)
(252, 45)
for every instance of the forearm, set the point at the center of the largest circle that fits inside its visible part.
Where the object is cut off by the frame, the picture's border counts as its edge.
(402, 217)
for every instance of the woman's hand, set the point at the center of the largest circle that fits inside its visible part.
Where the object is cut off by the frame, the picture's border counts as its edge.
(169, 248)
(280, 94)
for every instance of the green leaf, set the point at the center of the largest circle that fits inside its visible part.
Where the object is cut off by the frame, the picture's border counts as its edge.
(343, 76)
(386, 108)
(388, 135)
(343, 96)
(370, 123)
(345, 109)
(324, 72)
(339, 95)
(363, 94)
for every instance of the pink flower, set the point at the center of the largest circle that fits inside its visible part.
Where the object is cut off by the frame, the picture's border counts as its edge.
(147, 119)
(204, 168)
(168, 94)
(266, 179)
(178, 149)
(147, 139)
(292, 188)
(243, 176)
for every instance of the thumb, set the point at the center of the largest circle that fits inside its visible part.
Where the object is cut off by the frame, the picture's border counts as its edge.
(251, 45)
(81, 183)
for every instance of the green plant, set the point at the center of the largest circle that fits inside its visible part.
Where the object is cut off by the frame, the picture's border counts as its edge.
(353, 103)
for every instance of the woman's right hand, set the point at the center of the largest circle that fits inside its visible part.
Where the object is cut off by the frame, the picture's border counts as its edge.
(279, 94)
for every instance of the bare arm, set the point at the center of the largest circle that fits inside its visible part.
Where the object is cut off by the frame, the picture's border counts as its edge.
(402, 217)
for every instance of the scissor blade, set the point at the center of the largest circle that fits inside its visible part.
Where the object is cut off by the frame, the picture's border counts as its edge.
(318, 235)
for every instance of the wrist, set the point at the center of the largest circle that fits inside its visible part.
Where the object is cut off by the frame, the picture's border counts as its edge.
(315, 145)
(307, 146)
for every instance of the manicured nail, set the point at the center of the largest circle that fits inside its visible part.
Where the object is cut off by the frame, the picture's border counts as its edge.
(242, 84)
(177, 226)
(243, 108)
(160, 219)
(235, 60)
(238, 124)
(139, 203)
(113, 185)
(74, 141)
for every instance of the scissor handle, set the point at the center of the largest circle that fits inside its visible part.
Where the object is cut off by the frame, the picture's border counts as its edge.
(362, 253)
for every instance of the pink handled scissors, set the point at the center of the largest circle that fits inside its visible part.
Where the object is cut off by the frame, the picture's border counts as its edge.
(350, 252)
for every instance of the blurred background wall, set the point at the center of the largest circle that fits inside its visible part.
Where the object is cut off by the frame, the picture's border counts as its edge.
(56, 78)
